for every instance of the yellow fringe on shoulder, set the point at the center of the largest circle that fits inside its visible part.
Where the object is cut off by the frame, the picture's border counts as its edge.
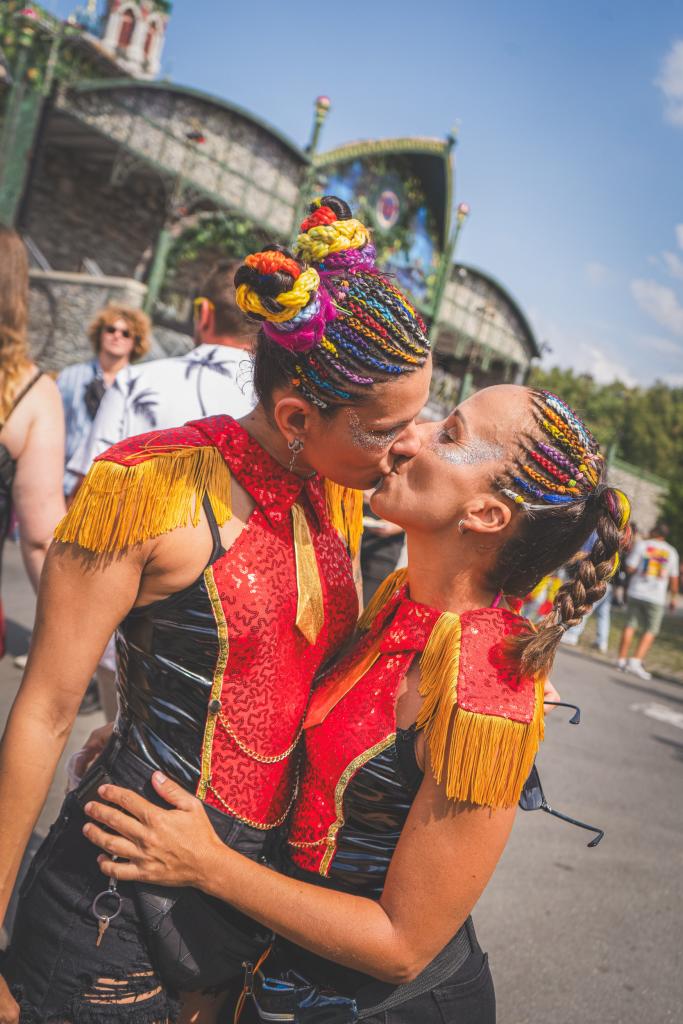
(119, 506)
(345, 509)
(486, 759)
(384, 592)
(310, 608)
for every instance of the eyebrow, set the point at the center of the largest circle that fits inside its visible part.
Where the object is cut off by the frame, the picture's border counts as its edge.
(463, 422)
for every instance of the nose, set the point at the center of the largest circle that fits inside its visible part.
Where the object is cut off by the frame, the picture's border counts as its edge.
(408, 443)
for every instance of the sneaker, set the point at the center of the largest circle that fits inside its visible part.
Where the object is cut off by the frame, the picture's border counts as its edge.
(621, 664)
(20, 661)
(599, 647)
(635, 667)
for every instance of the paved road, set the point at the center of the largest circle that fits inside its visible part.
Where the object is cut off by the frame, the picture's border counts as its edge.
(574, 935)
(577, 935)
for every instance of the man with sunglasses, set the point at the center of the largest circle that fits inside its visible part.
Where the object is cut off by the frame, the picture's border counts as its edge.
(119, 335)
(213, 378)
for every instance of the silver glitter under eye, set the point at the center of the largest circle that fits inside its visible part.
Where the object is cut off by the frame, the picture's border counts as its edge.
(468, 453)
(370, 440)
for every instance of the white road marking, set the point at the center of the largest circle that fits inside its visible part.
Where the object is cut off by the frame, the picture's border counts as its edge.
(661, 712)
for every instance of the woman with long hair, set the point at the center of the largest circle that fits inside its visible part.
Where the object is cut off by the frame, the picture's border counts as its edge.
(221, 553)
(31, 425)
(418, 741)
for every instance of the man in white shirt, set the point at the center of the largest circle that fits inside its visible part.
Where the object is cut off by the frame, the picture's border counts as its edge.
(213, 378)
(653, 566)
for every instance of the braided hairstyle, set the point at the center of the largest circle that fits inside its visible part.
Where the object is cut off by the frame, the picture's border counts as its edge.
(332, 326)
(557, 482)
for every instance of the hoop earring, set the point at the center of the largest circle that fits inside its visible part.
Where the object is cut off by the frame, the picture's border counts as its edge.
(461, 526)
(295, 446)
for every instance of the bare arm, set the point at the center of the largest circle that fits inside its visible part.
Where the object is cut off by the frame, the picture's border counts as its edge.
(37, 490)
(443, 862)
(79, 606)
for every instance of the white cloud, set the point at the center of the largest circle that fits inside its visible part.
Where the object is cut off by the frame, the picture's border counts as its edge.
(670, 81)
(660, 303)
(665, 346)
(597, 273)
(674, 380)
(583, 354)
(674, 264)
(679, 235)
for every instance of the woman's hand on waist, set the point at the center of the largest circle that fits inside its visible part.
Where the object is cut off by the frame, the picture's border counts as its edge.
(168, 847)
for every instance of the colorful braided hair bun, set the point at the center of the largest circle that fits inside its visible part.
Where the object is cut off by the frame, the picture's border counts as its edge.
(332, 237)
(278, 290)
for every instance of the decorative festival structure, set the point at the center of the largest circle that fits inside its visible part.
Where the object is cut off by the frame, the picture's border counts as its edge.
(123, 185)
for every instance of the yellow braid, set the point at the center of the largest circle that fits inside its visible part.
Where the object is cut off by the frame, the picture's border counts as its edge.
(296, 299)
(318, 242)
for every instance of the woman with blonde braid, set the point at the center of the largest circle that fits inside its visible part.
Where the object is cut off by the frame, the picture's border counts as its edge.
(418, 741)
(31, 423)
(219, 551)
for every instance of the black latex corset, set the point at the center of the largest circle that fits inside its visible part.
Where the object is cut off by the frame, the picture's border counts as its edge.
(167, 653)
(377, 801)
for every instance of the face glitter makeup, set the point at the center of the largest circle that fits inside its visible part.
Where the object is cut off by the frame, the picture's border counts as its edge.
(369, 440)
(472, 452)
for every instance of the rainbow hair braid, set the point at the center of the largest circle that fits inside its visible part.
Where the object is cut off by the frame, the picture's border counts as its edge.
(564, 467)
(339, 325)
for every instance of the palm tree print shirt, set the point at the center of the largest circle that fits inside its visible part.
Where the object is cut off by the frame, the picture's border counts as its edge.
(163, 393)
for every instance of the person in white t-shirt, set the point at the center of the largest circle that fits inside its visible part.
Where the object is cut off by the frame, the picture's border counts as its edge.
(653, 566)
(213, 378)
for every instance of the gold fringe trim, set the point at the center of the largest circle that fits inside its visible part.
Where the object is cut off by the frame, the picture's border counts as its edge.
(345, 510)
(310, 609)
(384, 593)
(486, 759)
(119, 506)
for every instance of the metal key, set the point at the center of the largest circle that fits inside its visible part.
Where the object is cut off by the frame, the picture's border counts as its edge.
(102, 926)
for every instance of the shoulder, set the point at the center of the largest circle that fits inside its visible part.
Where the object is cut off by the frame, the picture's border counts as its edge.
(75, 371)
(144, 487)
(155, 444)
(483, 719)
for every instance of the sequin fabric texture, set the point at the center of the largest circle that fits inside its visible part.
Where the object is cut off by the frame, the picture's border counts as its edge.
(251, 718)
(360, 729)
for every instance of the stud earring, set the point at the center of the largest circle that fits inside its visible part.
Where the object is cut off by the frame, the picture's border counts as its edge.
(461, 526)
(295, 446)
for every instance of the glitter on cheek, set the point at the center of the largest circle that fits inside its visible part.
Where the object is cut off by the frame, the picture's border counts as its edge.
(369, 440)
(472, 453)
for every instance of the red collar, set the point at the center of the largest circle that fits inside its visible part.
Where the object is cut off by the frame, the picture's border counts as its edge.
(273, 488)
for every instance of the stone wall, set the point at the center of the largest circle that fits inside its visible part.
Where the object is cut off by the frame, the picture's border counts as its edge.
(61, 305)
(644, 490)
(75, 212)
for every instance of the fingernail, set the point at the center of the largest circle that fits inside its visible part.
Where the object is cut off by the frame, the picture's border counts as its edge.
(160, 778)
(86, 829)
(88, 808)
(102, 790)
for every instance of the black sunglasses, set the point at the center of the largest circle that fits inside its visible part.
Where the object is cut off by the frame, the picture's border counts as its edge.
(110, 329)
(533, 797)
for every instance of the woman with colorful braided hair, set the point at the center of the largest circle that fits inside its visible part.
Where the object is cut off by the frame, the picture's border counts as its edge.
(220, 553)
(418, 740)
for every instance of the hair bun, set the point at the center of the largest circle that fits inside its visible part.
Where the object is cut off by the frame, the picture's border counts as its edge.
(273, 285)
(331, 230)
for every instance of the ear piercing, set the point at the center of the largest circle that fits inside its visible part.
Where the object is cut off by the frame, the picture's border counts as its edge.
(295, 446)
(461, 526)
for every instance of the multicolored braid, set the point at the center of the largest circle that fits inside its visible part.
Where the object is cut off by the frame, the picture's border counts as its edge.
(565, 470)
(559, 470)
(337, 327)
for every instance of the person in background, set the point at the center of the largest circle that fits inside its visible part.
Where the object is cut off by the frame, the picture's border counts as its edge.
(166, 393)
(213, 377)
(653, 565)
(31, 424)
(119, 335)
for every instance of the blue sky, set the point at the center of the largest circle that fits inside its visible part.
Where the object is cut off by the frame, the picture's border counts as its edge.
(570, 146)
